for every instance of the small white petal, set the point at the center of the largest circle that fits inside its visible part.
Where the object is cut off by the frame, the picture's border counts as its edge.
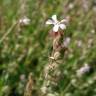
(62, 26)
(82, 70)
(55, 28)
(54, 18)
(51, 57)
(49, 22)
(24, 21)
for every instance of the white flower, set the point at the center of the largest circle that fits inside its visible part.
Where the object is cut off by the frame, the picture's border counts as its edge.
(24, 21)
(83, 70)
(57, 24)
(66, 41)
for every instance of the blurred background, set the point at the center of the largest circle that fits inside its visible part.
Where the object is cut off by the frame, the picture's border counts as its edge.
(25, 46)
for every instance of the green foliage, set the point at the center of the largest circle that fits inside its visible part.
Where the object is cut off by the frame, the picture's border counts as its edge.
(25, 49)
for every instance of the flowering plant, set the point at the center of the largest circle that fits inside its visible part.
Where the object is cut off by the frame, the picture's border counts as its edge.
(57, 24)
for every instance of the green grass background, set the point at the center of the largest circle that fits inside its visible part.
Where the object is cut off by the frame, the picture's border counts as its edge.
(27, 49)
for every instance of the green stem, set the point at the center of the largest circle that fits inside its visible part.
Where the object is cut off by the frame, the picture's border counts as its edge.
(9, 30)
(68, 86)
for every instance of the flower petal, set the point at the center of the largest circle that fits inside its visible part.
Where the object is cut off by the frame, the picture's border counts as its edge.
(25, 21)
(49, 22)
(54, 18)
(55, 28)
(62, 26)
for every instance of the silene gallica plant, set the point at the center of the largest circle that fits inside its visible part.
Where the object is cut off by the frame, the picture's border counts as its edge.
(54, 74)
